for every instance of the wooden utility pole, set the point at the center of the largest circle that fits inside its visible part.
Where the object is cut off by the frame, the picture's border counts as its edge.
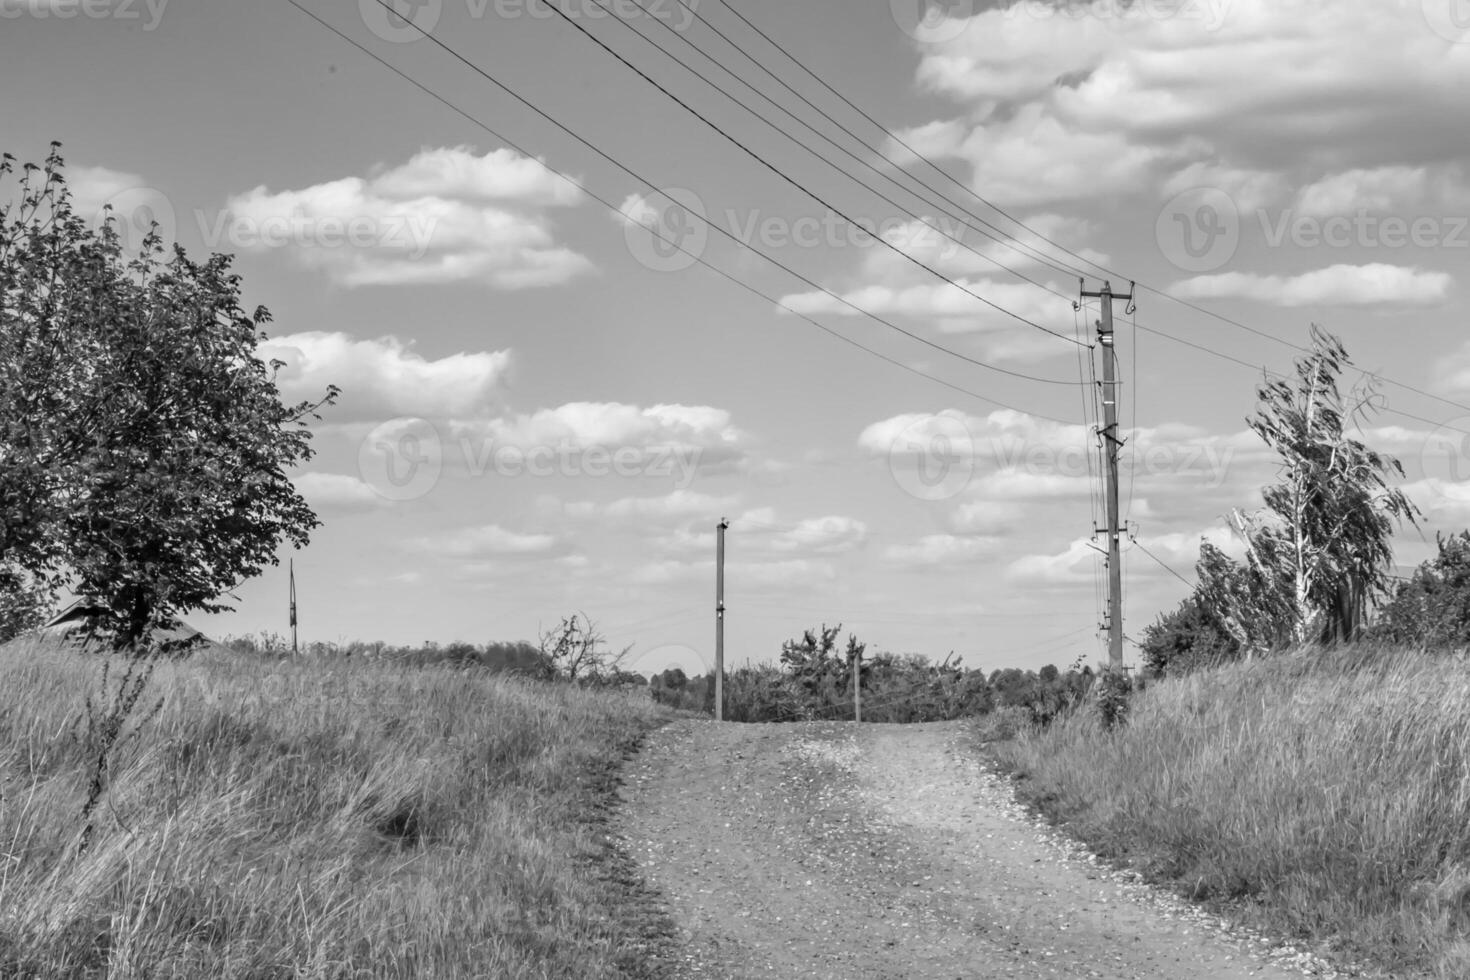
(720, 619)
(1111, 445)
(292, 567)
(857, 685)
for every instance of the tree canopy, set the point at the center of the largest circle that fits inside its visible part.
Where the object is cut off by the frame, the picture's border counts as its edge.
(145, 446)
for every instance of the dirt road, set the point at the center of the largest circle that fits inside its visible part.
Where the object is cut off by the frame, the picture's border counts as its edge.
(833, 851)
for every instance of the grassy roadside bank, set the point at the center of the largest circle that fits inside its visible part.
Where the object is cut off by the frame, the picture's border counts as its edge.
(1328, 793)
(323, 818)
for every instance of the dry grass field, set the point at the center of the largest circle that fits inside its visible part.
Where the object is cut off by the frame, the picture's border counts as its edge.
(1329, 790)
(324, 818)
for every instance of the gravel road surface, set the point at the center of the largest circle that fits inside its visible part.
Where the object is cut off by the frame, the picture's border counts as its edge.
(881, 851)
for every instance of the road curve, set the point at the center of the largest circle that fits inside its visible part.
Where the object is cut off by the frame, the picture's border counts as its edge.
(829, 850)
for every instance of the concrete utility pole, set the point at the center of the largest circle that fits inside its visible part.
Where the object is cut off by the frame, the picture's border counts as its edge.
(1111, 444)
(720, 619)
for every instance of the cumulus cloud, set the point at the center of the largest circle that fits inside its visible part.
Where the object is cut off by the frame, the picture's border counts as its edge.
(1394, 188)
(956, 304)
(1249, 189)
(337, 491)
(447, 215)
(1054, 89)
(485, 542)
(92, 187)
(698, 433)
(384, 377)
(940, 550)
(1375, 284)
(678, 505)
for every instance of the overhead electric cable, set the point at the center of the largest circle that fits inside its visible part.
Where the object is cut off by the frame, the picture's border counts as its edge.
(669, 94)
(963, 218)
(722, 273)
(1102, 270)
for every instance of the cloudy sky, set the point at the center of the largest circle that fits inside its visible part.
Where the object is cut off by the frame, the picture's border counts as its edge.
(548, 403)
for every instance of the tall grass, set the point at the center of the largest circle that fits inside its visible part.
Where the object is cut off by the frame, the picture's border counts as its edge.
(1331, 789)
(321, 818)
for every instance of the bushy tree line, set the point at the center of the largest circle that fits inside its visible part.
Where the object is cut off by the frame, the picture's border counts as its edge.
(812, 681)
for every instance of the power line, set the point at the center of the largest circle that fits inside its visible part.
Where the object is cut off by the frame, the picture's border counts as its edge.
(894, 136)
(1387, 410)
(722, 273)
(788, 178)
(1103, 269)
(999, 237)
(1160, 562)
(1297, 347)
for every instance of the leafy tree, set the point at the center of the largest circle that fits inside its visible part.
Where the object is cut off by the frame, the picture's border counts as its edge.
(813, 662)
(1186, 639)
(145, 443)
(1317, 558)
(25, 603)
(1432, 608)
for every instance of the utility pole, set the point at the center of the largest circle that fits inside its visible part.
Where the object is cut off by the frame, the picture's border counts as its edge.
(857, 685)
(720, 619)
(1111, 444)
(293, 606)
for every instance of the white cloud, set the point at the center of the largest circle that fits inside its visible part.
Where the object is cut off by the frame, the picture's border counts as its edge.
(384, 377)
(698, 431)
(487, 541)
(337, 491)
(1249, 189)
(1075, 566)
(986, 517)
(1396, 188)
(957, 305)
(445, 216)
(1442, 501)
(937, 550)
(1081, 99)
(92, 187)
(1338, 285)
(680, 504)
(500, 175)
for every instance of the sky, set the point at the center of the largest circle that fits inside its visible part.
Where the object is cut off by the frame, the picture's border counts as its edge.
(550, 397)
